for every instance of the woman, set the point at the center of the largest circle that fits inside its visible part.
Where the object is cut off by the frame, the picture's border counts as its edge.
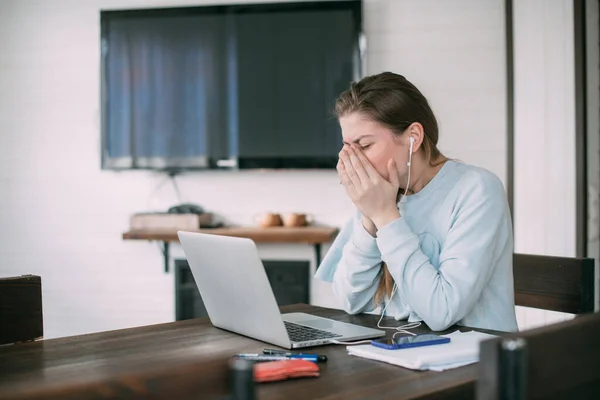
(432, 240)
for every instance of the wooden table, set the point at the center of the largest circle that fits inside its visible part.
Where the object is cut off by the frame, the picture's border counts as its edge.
(188, 359)
(313, 235)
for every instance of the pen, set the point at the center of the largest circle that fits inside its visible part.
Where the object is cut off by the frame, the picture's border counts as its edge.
(278, 357)
(288, 353)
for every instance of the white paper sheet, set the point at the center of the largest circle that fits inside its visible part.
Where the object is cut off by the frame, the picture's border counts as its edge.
(463, 349)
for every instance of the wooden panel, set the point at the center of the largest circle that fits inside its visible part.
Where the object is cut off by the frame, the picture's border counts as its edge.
(558, 362)
(186, 358)
(308, 235)
(20, 309)
(554, 283)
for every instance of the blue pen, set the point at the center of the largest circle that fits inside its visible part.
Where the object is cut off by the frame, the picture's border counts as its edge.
(269, 357)
(288, 353)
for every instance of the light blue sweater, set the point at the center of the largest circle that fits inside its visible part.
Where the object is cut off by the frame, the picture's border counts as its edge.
(450, 254)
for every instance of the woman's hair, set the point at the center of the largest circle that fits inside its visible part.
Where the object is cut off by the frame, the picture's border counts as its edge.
(391, 100)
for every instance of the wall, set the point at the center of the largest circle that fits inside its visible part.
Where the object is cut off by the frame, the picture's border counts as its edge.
(544, 156)
(454, 52)
(62, 218)
(592, 24)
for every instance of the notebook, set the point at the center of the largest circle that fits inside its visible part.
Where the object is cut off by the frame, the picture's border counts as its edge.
(463, 349)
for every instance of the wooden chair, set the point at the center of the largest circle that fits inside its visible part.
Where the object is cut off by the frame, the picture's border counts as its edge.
(560, 361)
(554, 283)
(21, 309)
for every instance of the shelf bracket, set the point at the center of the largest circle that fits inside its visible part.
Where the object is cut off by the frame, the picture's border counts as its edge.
(166, 256)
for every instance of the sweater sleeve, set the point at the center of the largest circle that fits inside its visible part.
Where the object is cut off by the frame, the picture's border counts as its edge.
(443, 296)
(357, 275)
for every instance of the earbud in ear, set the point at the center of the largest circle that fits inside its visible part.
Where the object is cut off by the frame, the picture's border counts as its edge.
(410, 151)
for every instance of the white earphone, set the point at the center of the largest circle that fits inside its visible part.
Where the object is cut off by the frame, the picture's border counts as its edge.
(408, 164)
(412, 142)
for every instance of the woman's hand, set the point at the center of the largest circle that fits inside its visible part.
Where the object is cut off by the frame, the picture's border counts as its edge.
(374, 196)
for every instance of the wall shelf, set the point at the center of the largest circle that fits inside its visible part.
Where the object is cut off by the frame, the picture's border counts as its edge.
(312, 235)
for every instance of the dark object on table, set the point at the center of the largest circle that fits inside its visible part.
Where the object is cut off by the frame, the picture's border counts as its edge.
(241, 379)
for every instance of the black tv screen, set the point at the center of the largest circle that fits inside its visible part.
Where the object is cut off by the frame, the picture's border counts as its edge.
(237, 86)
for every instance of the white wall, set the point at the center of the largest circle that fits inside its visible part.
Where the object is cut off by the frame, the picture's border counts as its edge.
(455, 53)
(544, 157)
(62, 218)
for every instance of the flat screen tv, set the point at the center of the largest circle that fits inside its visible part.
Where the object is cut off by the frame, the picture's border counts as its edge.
(232, 86)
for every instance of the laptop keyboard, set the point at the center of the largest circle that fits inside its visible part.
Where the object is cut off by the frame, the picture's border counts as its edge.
(301, 333)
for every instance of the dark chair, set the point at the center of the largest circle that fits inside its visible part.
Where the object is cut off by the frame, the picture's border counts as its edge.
(554, 283)
(21, 309)
(560, 361)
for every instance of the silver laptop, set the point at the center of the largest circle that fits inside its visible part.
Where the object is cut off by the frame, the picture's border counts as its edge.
(238, 296)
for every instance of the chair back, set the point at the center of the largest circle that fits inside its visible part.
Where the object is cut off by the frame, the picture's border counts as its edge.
(21, 309)
(554, 283)
(560, 361)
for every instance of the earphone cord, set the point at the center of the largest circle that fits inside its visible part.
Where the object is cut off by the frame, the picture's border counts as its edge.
(402, 328)
(399, 329)
(332, 341)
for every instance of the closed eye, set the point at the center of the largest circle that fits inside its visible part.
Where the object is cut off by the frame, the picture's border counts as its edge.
(366, 146)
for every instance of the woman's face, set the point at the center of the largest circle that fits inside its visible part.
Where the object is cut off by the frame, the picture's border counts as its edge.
(378, 143)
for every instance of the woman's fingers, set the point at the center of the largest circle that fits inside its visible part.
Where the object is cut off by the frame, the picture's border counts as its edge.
(349, 169)
(366, 164)
(344, 179)
(357, 165)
